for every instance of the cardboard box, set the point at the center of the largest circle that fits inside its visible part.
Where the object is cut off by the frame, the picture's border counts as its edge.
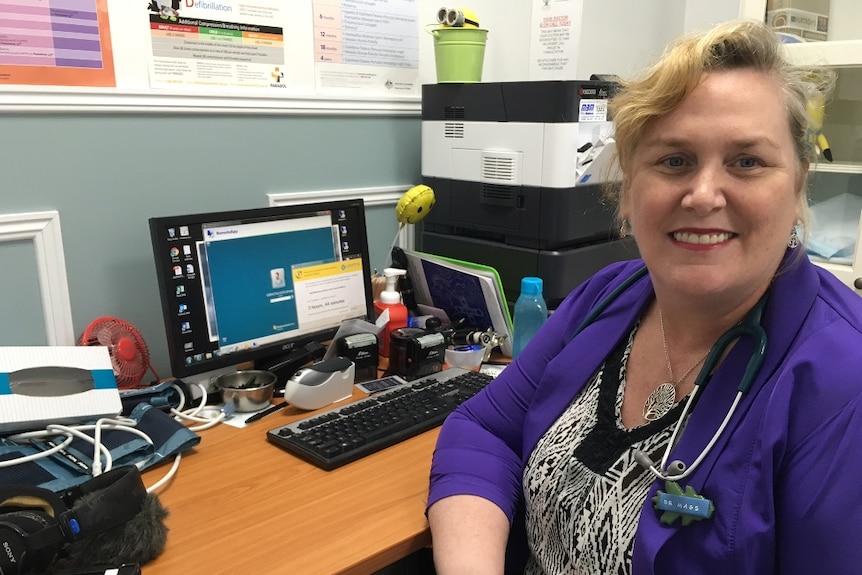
(806, 19)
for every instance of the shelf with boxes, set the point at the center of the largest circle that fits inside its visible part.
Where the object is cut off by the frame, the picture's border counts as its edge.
(827, 32)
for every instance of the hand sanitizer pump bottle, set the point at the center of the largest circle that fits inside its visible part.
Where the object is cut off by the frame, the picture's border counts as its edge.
(531, 311)
(389, 311)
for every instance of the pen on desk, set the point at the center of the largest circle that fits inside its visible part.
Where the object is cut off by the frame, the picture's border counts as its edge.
(269, 410)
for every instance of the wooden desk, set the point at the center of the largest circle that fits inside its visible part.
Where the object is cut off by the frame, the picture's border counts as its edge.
(240, 504)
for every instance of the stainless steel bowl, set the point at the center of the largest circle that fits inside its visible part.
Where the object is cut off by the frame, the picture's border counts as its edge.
(248, 390)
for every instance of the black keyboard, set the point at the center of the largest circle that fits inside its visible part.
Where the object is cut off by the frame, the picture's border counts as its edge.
(352, 431)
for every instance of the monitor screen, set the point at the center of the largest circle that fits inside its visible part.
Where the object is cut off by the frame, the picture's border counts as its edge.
(253, 285)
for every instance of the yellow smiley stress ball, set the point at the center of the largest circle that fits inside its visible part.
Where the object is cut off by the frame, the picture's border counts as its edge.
(414, 204)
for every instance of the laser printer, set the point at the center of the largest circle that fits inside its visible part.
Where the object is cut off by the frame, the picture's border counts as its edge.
(518, 171)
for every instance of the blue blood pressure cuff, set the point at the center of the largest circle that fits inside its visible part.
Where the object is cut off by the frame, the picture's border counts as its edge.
(171, 394)
(72, 465)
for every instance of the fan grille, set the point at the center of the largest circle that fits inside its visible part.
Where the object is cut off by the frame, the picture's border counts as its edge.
(130, 356)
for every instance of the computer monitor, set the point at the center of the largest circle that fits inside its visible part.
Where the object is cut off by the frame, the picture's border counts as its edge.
(259, 284)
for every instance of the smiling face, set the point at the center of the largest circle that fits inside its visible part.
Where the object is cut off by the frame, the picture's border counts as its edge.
(712, 191)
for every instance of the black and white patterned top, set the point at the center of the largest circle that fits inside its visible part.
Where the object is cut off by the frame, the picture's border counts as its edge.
(583, 489)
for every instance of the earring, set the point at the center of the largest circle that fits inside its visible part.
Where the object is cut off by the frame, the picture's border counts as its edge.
(793, 242)
(625, 229)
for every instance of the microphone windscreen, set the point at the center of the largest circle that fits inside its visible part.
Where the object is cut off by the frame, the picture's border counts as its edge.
(139, 540)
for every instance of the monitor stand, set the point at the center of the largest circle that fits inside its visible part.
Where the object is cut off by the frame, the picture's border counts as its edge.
(284, 366)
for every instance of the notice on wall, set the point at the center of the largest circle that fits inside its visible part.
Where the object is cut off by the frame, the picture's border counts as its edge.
(554, 38)
(366, 47)
(254, 53)
(216, 43)
(55, 42)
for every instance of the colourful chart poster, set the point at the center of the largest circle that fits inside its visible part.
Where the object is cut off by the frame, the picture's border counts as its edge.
(366, 47)
(55, 42)
(216, 44)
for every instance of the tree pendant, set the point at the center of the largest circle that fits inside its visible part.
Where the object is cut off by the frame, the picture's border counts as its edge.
(660, 401)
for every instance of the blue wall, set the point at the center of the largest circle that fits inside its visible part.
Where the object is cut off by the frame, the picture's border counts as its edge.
(107, 174)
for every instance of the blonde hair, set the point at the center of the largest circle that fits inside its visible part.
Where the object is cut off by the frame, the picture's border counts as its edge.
(728, 46)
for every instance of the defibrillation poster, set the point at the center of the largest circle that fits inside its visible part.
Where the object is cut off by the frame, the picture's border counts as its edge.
(224, 44)
(55, 42)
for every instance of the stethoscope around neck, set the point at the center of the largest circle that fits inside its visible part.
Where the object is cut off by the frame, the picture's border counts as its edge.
(677, 470)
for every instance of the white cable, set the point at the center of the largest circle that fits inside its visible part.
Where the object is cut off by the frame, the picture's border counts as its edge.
(207, 416)
(35, 456)
(197, 418)
(210, 422)
(99, 447)
(97, 443)
(71, 432)
(171, 472)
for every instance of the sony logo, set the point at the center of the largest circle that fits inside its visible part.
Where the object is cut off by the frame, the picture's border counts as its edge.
(9, 553)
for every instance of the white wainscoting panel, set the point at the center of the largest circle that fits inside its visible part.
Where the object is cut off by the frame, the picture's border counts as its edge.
(43, 229)
(380, 196)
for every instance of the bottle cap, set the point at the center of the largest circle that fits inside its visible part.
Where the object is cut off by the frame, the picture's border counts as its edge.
(390, 295)
(531, 285)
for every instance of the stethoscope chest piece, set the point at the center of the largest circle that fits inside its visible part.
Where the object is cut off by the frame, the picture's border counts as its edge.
(678, 503)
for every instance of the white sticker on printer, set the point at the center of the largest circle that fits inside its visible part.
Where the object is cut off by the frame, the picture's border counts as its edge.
(593, 111)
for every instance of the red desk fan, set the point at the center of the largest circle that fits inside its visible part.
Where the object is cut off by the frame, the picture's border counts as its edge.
(129, 353)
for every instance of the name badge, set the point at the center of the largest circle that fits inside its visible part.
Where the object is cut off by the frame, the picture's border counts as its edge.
(687, 505)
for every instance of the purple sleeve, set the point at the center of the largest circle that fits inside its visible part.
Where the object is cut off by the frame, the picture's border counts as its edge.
(478, 451)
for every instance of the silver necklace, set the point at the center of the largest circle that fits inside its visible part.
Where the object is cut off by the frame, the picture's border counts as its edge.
(663, 398)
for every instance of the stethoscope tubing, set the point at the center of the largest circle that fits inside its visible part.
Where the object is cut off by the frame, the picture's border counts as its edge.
(750, 325)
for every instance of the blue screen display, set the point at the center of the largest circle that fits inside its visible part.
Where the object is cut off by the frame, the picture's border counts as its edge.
(250, 299)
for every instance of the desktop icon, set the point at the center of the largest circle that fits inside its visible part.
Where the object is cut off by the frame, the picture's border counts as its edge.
(345, 246)
(187, 249)
(343, 230)
(186, 326)
(178, 271)
(190, 269)
(175, 252)
(172, 232)
(184, 231)
(181, 290)
(183, 308)
(188, 346)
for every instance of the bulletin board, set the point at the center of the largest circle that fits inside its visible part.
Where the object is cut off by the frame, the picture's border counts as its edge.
(164, 55)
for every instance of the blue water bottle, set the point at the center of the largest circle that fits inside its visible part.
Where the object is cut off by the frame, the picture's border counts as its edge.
(531, 311)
